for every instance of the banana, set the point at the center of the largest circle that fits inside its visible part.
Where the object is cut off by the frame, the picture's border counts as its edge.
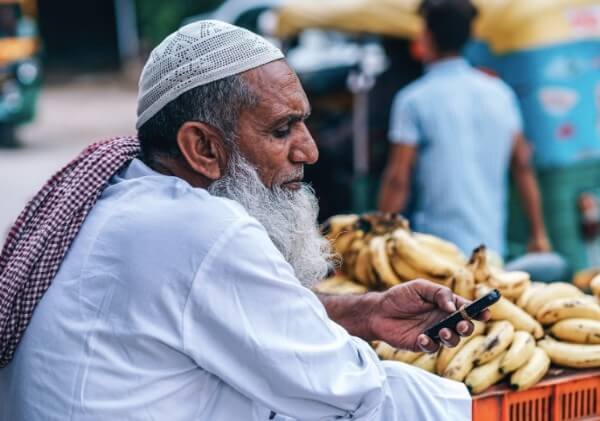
(568, 308)
(426, 362)
(485, 375)
(463, 283)
(441, 247)
(384, 350)
(571, 355)
(349, 287)
(401, 268)
(581, 331)
(447, 354)
(336, 224)
(405, 356)
(462, 363)
(549, 293)
(363, 269)
(381, 262)
(519, 352)
(532, 372)
(528, 293)
(506, 310)
(417, 256)
(595, 285)
(498, 339)
(330, 285)
(478, 265)
(510, 284)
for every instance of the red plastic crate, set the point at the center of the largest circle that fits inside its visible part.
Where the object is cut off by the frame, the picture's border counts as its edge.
(564, 395)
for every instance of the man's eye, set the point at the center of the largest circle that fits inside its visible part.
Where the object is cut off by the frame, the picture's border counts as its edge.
(282, 132)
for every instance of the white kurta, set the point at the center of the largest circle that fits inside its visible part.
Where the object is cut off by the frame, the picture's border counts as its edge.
(175, 305)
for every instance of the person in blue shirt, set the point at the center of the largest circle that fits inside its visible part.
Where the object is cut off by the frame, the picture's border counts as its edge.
(456, 134)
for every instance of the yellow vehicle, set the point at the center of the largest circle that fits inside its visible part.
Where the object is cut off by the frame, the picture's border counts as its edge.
(19, 66)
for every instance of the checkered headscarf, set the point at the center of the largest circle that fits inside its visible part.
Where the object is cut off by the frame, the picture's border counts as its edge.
(43, 232)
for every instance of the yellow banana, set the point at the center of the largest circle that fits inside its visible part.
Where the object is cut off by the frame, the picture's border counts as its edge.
(441, 247)
(581, 331)
(568, 308)
(510, 284)
(549, 293)
(528, 293)
(595, 285)
(485, 375)
(479, 266)
(405, 356)
(384, 350)
(532, 372)
(506, 310)
(462, 363)
(447, 354)
(571, 355)
(363, 269)
(497, 340)
(519, 352)
(336, 224)
(381, 262)
(418, 257)
(426, 362)
(331, 285)
(463, 283)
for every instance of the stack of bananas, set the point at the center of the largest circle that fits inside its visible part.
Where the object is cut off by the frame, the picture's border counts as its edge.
(532, 326)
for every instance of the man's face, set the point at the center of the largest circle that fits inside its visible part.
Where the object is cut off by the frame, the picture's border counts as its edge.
(272, 135)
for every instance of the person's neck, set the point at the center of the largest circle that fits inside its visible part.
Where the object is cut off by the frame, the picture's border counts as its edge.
(176, 168)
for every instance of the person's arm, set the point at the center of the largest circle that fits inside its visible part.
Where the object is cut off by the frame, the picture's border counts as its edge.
(527, 185)
(395, 185)
(249, 322)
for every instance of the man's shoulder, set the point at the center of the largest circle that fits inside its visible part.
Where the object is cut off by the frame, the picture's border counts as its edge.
(492, 83)
(414, 90)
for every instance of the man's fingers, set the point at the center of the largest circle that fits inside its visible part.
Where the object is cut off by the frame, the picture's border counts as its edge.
(465, 328)
(449, 338)
(426, 344)
(437, 294)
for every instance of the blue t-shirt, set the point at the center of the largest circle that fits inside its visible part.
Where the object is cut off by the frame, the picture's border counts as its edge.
(463, 123)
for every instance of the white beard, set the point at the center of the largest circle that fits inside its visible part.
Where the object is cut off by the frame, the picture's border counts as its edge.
(289, 217)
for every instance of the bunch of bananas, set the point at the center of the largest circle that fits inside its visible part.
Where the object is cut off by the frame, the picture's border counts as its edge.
(532, 325)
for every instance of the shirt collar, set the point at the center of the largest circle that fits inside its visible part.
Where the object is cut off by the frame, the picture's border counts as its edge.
(446, 65)
(137, 169)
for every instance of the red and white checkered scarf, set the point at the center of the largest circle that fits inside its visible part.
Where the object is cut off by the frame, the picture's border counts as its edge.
(43, 232)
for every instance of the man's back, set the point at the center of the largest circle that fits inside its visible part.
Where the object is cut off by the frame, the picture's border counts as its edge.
(463, 124)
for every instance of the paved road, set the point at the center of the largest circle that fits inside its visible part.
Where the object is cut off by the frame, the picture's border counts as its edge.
(70, 116)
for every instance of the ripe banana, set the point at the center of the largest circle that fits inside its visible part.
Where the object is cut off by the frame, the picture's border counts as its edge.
(549, 293)
(405, 356)
(485, 375)
(387, 352)
(568, 308)
(506, 310)
(528, 293)
(519, 352)
(462, 363)
(363, 269)
(498, 339)
(478, 265)
(401, 268)
(571, 355)
(510, 284)
(334, 226)
(417, 256)
(532, 372)
(441, 247)
(447, 354)
(339, 284)
(381, 262)
(426, 362)
(581, 331)
(463, 283)
(595, 285)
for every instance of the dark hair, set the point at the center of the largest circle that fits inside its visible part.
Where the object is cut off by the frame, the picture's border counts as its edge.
(449, 22)
(217, 104)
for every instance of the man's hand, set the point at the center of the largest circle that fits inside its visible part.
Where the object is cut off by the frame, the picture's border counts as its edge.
(400, 315)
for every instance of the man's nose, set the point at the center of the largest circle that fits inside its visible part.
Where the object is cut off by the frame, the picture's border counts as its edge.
(304, 150)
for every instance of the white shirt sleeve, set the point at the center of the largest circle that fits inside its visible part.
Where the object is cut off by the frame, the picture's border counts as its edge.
(251, 323)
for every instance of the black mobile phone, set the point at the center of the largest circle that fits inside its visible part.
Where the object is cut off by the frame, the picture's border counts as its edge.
(472, 310)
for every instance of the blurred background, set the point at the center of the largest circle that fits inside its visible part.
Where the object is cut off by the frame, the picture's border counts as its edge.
(68, 73)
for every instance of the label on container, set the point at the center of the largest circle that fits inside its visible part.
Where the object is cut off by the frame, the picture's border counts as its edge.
(558, 101)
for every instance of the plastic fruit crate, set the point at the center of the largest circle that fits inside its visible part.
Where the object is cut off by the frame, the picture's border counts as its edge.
(564, 395)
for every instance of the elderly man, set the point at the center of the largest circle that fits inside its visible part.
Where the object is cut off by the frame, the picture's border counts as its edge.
(174, 271)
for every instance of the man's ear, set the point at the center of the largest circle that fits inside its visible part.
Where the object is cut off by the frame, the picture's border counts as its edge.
(203, 148)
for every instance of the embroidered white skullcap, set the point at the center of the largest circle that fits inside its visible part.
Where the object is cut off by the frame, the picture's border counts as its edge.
(197, 54)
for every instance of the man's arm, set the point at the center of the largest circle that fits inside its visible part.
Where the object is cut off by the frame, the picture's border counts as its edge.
(395, 185)
(526, 182)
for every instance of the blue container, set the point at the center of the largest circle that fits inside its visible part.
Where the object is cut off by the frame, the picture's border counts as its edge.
(559, 91)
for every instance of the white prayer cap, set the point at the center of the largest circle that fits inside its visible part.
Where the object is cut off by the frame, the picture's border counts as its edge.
(197, 54)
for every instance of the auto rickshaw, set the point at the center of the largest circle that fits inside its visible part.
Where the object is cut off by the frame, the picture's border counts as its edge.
(19, 67)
